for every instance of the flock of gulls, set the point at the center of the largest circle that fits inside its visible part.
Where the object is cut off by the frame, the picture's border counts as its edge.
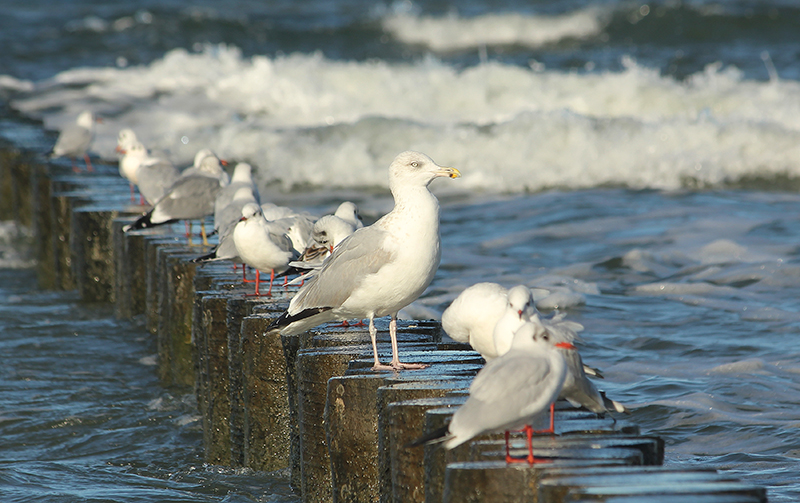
(351, 271)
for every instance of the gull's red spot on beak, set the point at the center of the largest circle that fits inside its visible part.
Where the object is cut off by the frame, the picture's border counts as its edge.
(565, 345)
(520, 313)
(223, 162)
(243, 219)
(331, 247)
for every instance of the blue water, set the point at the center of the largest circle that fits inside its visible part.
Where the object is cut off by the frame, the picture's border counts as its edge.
(636, 164)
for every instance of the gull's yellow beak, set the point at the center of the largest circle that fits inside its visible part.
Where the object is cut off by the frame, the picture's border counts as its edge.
(448, 172)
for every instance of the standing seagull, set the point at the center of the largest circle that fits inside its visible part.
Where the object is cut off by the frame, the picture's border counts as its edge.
(75, 139)
(262, 245)
(510, 392)
(190, 197)
(381, 268)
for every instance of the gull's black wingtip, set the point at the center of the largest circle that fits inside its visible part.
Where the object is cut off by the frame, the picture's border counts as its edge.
(285, 319)
(205, 258)
(143, 222)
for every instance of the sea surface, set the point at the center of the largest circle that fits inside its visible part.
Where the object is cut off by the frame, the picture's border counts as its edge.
(636, 163)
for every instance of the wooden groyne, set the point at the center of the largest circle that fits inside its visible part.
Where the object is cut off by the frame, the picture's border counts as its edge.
(309, 404)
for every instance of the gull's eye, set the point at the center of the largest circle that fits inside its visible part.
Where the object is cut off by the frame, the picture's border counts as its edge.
(414, 164)
(546, 336)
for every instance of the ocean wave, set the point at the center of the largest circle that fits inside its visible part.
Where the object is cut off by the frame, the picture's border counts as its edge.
(456, 33)
(308, 120)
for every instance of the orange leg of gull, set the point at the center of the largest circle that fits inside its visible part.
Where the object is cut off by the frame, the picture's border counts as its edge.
(530, 459)
(75, 168)
(89, 166)
(258, 283)
(244, 274)
(552, 429)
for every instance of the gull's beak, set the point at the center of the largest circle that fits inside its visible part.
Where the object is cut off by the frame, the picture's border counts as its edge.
(119, 149)
(448, 172)
(519, 313)
(565, 345)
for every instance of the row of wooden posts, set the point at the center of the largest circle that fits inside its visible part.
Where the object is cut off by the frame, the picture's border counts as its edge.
(310, 405)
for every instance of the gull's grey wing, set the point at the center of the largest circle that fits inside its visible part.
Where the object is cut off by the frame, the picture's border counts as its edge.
(155, 178)
(73, 141)
(502, 378)
(344, 270)
(188, 198)
(505, 395)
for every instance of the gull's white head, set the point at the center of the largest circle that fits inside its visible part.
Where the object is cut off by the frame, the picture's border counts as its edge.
(200, 155)
(242, 173)
(348, 212)
(86, 119)
(250, 210)
(125, 138)
(532, 335)
(520, 300)
(416, 168)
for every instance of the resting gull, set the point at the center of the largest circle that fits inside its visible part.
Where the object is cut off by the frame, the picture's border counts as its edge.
(381, 268)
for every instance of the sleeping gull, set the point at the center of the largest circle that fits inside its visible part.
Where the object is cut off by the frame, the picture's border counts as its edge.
(472, 316)
(261, 244)
(190, 197)
(510, 392)
(381, 268)
(74, 140)
(328, 231)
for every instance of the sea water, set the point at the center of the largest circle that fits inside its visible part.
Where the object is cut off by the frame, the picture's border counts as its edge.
(635, 163)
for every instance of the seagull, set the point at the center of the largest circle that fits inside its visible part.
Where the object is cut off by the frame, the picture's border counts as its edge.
(381, 268)
(262, 244)
(578, 389)
(510, 392)
(190, 197)
(152, 175)
(75, 140)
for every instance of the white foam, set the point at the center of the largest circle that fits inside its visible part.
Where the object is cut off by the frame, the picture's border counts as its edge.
(455, 33)
(305, 119)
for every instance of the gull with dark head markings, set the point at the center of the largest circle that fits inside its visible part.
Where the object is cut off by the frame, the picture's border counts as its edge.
(381, 268)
